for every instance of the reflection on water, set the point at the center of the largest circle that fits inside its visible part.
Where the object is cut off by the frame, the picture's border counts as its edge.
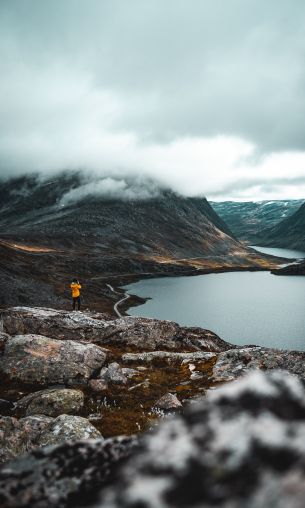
(242, 307)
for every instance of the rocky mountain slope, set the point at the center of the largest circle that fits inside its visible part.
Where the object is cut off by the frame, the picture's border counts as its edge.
(290, 232)
(76, 387)
(247, 220)
(52, 230)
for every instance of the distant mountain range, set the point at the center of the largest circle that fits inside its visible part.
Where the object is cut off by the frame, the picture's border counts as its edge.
(253, 222)
(289, 233)
(65, 226)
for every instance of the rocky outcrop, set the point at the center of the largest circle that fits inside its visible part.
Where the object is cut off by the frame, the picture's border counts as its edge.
(57, 324)
(235, 363)
(52, 402)
(34, 359)
(65, 475)
(19, 436)
(140, 333)
(242, 446)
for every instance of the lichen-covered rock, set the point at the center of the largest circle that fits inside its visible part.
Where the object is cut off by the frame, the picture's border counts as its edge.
(19, 436)
(34, 359)
(58, 324)
(113, 374)
(167, 357)
(151, 334)
(242, 446)
(235, 363)
(52, 402)
(68, 428)
(64, 475)
(168, 402)
(142, 333)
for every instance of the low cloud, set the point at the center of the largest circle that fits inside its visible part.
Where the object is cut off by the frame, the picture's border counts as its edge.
(112, 188)
(204, 97)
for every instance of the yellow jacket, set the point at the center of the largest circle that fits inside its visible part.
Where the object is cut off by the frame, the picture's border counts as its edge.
(75, 289)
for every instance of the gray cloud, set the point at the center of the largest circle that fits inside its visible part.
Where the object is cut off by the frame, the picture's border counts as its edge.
(107, 84)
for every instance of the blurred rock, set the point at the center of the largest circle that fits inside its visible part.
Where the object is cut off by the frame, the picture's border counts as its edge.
(242, 446)
(69, 474)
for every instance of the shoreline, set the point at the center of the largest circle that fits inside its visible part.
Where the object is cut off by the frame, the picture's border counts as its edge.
(117, 283)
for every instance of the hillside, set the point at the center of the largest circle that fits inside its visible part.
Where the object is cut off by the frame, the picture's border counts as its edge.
(248, 219)
(52, 230)
(288, 233)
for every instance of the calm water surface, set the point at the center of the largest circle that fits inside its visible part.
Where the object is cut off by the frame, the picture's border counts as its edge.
(241, 307)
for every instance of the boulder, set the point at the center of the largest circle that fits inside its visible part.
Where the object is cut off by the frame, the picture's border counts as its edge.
(113, 374)
(38, 360)
(168, 402)
(58, 324)
(242, 446)
(168, 357)
(68, 428)
(62, 475)
(235, 363)
(19, 436)
(52, 402)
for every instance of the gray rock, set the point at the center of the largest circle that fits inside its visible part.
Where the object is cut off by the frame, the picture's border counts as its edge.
(142, 333)
(235, 363)
(33, 359)
(113, 374)
(98, 385)
(52, 402)
(242, 446)
(168, 357)
(19, 436)
(168, 402)
(62, 475)
(58, 324)
(68, 428)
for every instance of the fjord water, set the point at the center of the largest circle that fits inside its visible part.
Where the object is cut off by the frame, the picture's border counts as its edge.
(241, 307)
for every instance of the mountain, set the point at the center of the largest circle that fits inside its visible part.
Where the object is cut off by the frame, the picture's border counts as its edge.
(290, 232)
(54, 229)
(247, 220)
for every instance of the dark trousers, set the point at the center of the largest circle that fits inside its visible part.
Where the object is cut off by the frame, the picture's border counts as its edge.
(76, 299)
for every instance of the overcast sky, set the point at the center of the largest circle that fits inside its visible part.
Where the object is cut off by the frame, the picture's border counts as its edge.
(208, 96)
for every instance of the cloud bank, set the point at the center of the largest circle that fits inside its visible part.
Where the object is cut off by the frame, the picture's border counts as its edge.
(207, 97)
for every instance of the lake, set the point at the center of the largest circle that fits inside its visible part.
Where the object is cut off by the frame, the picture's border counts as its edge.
(241, 307)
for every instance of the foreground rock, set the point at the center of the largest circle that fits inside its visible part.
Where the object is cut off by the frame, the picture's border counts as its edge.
(58, 476)
(38, 360)
(140, 333)
(235, 363)
(19, 436)
(244, 446)
(52, 402)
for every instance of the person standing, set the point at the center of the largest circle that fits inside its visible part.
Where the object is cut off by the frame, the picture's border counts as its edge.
(75, 288)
